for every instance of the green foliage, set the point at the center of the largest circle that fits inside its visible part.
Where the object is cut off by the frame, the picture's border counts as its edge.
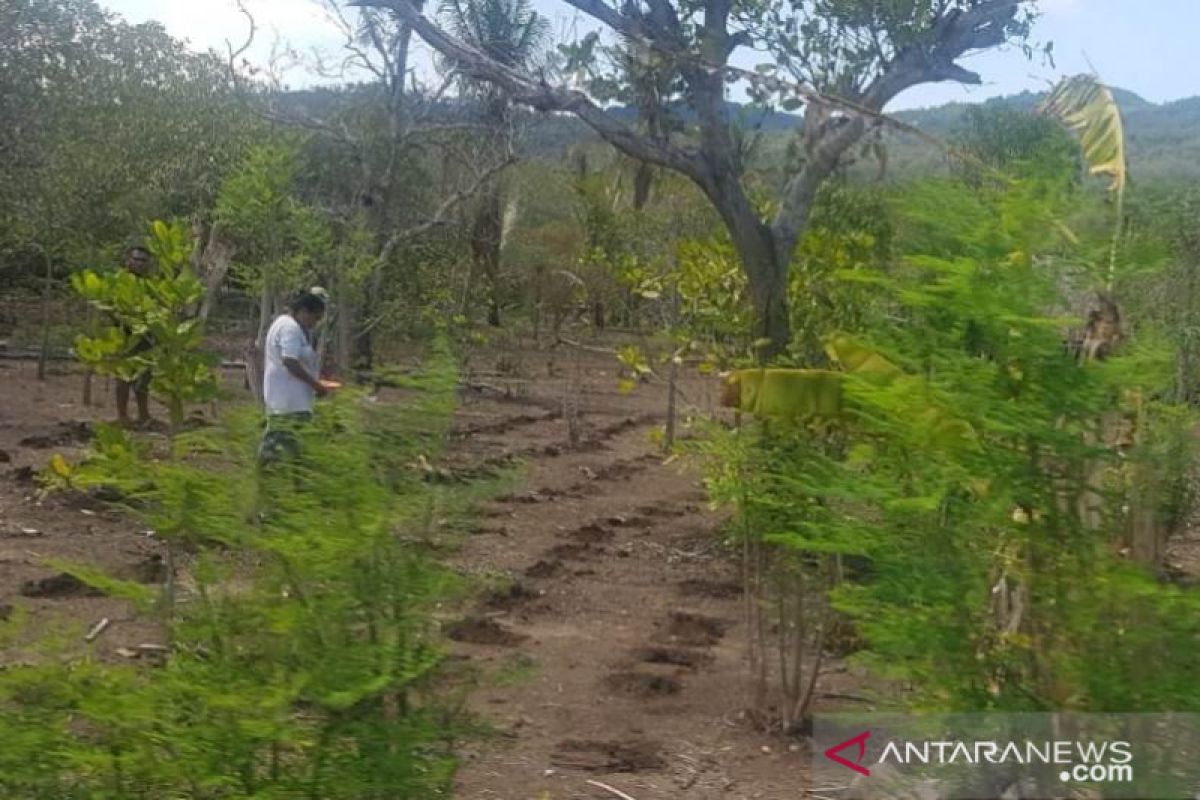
(850, 229)
(509, 31)
(109, 124)
(278, 238)
(1017, 144)
(972, 483)
(302, 658)
(712, 290)
(156, 327)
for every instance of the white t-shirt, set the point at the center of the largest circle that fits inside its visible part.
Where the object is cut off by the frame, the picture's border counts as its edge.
(284, 393)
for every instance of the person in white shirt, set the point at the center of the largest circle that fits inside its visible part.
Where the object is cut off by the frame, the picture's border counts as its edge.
(291, 378)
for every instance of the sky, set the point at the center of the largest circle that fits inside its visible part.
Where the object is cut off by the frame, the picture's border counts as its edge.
(1140, 45)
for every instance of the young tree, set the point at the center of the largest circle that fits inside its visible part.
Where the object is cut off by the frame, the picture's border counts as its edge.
(159, 311)
(278, 238)
(865, 52)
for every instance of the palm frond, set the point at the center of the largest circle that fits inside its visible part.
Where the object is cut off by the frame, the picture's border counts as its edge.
(1086, 107)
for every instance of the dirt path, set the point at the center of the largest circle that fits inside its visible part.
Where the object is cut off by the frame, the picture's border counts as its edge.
(617, 653)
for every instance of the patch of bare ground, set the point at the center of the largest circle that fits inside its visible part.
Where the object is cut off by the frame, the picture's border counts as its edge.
(693, 630)
(704, 587)
(609, 756)
(643, 684)
(676, 656)
(481, 630)
(39, 419)
(631, 608)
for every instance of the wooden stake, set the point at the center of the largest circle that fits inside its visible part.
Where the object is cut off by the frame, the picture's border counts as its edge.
(669, 438)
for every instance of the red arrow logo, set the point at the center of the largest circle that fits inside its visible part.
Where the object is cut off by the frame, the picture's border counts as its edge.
(861, 741)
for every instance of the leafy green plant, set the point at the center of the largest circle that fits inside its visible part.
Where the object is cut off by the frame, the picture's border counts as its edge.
(277, 237)
(159, 313)
(303, 659)
(956, 495)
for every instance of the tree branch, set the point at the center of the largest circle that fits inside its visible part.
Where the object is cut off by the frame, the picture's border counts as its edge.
(603, 12)
(234, 55)
(538, 94)
(441, 214)
(955, 34)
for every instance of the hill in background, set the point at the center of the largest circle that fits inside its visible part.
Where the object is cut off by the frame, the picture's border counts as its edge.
(1163, 139)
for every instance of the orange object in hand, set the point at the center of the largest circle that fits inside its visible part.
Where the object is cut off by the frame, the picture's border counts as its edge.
(329, 385)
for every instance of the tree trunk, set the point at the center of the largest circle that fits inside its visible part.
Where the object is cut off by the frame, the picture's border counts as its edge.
(764, 258)
(254, 359)
(343, 324)
(212, 259)
(539, 277)
(47, 290)
(486, 234)
(364, 341)
(767, 275)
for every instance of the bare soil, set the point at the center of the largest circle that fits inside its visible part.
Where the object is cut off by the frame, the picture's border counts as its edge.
(631, 607)
(37, 531)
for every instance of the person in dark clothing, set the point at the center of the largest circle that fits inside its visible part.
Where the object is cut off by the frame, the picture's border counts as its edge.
(139, 262)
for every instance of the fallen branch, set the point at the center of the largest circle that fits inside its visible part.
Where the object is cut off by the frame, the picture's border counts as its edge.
(99, 628)
(607, 788)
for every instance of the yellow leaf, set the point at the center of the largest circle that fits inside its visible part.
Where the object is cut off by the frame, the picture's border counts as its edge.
(950, 433)
(60, 467)
(980, 487)
(856, 357)
(1087, 107)
(789, 393)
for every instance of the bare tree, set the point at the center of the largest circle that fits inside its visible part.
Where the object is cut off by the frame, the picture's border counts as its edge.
(373, 136)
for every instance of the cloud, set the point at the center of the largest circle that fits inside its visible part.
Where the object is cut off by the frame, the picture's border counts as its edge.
(204, 24)
(209, 24)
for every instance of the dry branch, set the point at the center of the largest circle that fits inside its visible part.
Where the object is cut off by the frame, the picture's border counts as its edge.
(610, 790)
(97, 629)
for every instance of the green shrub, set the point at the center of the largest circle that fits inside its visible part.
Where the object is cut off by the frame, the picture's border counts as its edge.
(969, 508)
(158, 311)
(303, 659)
